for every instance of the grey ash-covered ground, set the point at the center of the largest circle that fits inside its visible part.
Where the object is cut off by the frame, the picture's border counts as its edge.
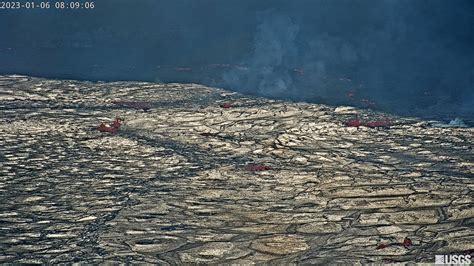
(210, 176)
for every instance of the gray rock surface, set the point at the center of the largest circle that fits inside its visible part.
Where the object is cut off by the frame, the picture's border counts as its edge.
(189, 181)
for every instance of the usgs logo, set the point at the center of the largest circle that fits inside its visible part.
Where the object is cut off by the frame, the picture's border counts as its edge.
(453, 259)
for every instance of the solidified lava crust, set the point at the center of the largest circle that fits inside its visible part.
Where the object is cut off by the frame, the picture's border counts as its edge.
(189, 181)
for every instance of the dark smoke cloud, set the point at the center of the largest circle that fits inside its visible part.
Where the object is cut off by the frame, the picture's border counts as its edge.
(266, 71)
(401, 55)
(412, 57)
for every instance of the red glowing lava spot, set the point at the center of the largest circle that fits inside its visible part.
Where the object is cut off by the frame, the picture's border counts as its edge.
(407, 242)
(378, 123)
(110, 129)
(258, 167)
(117, 123)
(106, 128)
(354, 123)
(226, 105)
(370, 124)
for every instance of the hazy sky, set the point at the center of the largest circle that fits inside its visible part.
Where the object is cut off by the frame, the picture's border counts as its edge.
(405, 56)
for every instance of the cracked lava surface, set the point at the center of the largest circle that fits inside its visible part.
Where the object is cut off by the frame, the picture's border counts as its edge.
(210, 176)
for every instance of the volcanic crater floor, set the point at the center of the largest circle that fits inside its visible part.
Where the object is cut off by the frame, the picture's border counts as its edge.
(210, 176)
